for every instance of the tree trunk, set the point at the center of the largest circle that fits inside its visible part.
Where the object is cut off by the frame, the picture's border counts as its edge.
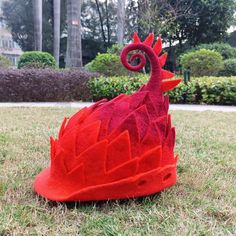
(56, 29)
(38, 21)
(74, 48)
(120, 21)
(101, 23)
(108, 25)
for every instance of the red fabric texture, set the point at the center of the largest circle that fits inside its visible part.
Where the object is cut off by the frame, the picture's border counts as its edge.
(117, 149)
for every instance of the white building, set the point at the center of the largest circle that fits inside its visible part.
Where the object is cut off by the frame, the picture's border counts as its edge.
(8, 47)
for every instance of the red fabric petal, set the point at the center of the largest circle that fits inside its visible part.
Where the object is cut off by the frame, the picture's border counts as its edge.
(168, 149)
(58, 167)
(162, 59)
(169, 84)
(165, 74)
(76, 177)
(62, 129)
(120, 111)
(118, 151)
(94, 173)
(149, 40)
(136, 38)
(123, 171)
(143, 120)
(87, 136)
(151, 139)
(157, 48)
(150, 160)
(94, 167)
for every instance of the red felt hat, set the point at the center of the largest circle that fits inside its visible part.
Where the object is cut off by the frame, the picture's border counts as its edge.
(117, 149)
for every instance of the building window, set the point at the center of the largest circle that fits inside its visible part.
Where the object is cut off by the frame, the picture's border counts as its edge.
(8, 44)
(3, 43)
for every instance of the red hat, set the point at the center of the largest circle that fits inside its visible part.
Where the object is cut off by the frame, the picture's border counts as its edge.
(117, 149)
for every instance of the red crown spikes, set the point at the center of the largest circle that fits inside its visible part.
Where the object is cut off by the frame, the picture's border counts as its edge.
(117, 149)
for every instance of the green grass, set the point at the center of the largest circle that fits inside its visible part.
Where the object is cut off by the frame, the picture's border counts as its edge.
(203, 202)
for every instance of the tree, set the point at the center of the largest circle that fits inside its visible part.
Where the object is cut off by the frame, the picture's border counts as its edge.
(106, 16)
(180, 20)
(17, 15)
(38, 22)
(120, 21)
(74, 50)
(232, 39)
(159, 17)
(148, 16)
(131, 18)
(213, 18)
(56, 29)
(101, 21)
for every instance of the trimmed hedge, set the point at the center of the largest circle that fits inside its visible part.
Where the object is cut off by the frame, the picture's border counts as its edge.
(203, 90)
(229, 68)
(107, 64)
(206, 90)
(115, 49)
(225, 50)
(110, 87)
(39, 85)
(203, 62)
(36, 60)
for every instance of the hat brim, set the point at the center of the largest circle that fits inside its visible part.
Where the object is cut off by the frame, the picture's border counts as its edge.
(136, 186)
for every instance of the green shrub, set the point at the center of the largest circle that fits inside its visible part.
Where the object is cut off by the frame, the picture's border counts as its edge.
(207, 90)
(115, 49)
(203, 62)
(4, 62)
(36, 60)
(184, 93)
(88, 66)
(229, 68)
(107, 64)
(224, 49)
(110, 87)
(201, 90)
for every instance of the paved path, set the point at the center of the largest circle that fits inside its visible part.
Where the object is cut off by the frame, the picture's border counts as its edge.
(83, 104)
(46, 104)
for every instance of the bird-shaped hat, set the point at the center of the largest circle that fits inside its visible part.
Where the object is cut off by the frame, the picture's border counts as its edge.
(117, 149)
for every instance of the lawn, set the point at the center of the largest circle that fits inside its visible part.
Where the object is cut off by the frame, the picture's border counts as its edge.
(203, 202)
